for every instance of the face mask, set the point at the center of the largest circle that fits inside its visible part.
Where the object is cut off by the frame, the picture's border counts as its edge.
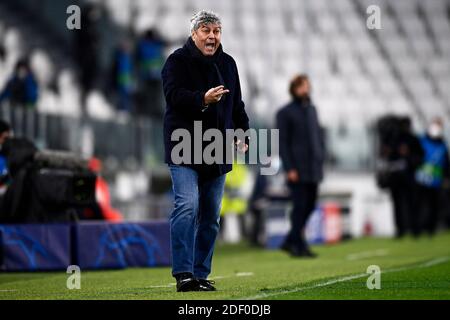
(435, 131)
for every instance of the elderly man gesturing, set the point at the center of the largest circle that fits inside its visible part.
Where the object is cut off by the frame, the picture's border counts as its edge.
(201, 83)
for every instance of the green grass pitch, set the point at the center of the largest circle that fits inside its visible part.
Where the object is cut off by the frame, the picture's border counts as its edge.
(410, 269)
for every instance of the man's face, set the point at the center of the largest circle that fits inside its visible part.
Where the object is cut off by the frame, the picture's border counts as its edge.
(303, 89)
(3, 137)
(207, 38)
(436, 128)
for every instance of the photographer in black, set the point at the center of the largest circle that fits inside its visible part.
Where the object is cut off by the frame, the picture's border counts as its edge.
(401, 153)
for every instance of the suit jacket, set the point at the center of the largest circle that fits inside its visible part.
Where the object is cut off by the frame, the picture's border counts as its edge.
(301, 140)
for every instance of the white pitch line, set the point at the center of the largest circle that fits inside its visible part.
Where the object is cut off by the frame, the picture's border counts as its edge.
(219, 277)
(239, 274)
(430, 263)
(162, 286)
(367, 254)
(244, 274)
(435, 262)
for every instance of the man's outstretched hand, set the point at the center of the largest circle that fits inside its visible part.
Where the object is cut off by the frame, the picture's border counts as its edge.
(214, 95)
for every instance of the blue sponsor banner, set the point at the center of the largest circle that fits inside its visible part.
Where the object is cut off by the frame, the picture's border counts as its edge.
(30, 247)
(277, 226)
(314, 230)
(276, 223)
(101, 245)
(275, 241)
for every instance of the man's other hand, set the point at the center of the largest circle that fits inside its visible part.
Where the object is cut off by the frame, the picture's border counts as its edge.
(293, 176)
(241, 146)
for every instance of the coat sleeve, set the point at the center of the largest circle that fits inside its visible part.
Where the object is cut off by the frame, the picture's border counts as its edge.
(240, 118)
(175, 87)
(285, 141)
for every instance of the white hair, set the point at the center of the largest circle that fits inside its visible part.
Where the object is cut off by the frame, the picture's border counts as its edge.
(204, 17)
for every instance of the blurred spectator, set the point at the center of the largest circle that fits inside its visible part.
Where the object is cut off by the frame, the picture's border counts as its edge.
(234, 201)
(87, 48)
(432, 175)
(302, 153)
(404, 154)
(257, 203)
(5, 133)
(22, 88)
(122, 76)
(16, 205)
(150, 60)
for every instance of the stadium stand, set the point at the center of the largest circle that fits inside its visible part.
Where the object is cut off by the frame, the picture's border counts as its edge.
(331, 42)
(401, 68)
(358, 74)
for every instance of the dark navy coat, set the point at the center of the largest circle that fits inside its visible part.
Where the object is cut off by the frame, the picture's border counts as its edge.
(301, 140)
(187, 75)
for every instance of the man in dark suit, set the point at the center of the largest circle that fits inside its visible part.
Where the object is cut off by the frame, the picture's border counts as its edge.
(200, 83)
(302, 154)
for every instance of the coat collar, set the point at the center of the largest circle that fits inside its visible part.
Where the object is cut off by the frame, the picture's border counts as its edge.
(302, 102)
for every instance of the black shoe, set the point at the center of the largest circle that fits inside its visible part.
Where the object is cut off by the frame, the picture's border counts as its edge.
(186, 282)
(310, 254)
(301, 253)
(206, 285)
(399, 235)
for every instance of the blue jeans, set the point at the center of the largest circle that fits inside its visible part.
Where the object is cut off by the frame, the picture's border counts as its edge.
(194, 222)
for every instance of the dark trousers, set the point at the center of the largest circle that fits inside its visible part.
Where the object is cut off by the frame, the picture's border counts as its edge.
(406, 213)
(429, 208)
(304, 197)
(257, 227)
